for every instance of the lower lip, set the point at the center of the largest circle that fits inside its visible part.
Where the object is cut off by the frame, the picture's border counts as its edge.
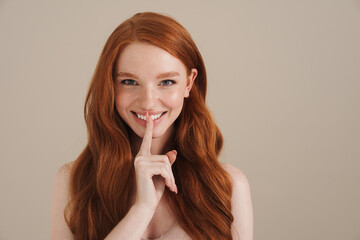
(143, 122)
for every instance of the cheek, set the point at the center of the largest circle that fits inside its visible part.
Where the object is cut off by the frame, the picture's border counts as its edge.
(174, 99)
(122, 101)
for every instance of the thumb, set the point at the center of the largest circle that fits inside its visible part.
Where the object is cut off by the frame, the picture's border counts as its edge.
(172, 156)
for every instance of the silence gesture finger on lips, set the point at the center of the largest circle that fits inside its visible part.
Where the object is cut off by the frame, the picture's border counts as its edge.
(146, 143)
(153, 165)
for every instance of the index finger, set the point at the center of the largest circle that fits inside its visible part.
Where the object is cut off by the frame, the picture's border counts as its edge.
(146, 142)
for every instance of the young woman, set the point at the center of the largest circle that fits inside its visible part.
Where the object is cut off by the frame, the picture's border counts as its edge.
(150, 169)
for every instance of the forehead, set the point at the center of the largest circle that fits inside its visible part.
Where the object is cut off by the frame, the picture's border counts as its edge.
(145, 59)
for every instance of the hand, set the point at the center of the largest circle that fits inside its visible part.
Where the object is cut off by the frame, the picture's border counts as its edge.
(153, 172)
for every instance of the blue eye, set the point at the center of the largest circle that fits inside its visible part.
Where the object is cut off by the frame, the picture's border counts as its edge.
(167, 82)
(128, 82)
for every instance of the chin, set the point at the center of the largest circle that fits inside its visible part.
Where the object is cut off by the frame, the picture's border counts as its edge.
(157, 134)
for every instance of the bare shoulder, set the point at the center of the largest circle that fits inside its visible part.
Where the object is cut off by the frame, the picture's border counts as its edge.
(60, 198)
(237, 176)
(242, 210)
(65, 170)
(62, 181)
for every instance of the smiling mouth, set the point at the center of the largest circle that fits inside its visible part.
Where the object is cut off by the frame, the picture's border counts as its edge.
(143, 117)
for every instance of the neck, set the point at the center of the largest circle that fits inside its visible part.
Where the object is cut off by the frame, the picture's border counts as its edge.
(157, 145)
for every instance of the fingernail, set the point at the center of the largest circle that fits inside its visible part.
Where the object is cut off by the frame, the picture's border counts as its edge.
(175, 152)
(176, 190)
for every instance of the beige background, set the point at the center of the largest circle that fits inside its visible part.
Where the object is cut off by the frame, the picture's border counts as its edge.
(284, 87)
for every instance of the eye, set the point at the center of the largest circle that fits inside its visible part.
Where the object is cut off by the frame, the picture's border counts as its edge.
(167, 82)
(128, 82)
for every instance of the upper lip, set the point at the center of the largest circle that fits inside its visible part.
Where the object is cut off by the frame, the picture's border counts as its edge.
(150, 113)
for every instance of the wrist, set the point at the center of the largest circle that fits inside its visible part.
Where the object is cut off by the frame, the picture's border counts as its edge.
(143, 209)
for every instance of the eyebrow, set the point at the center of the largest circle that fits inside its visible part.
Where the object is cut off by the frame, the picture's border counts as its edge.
(168, 75)
(161, 75)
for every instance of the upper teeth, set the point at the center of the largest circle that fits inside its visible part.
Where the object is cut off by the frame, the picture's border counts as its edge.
(143, 117)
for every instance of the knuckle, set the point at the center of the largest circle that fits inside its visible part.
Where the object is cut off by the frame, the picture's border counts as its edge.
(138, 163)
(139, 158)
(164, 169)
(165, 159)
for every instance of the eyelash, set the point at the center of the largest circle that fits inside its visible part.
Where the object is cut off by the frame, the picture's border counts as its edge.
(126, 82)
(171, 81)
(133, 82)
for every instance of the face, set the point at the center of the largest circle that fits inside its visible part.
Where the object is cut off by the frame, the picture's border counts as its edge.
(150, 80)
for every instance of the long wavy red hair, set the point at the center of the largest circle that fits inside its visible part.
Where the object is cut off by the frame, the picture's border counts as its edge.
(102, 181)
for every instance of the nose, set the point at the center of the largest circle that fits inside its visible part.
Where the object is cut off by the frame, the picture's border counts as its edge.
(148, 97)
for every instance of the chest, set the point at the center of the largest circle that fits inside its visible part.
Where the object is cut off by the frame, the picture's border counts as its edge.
(161, 223)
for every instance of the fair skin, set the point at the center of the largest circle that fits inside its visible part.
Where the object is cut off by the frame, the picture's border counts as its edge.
(151, 82)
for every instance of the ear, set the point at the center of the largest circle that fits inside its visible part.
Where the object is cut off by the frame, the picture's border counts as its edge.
(190, 82)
